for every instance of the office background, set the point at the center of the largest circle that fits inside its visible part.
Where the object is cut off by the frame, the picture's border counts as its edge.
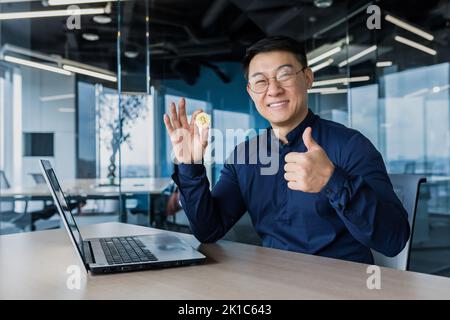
(87, 90)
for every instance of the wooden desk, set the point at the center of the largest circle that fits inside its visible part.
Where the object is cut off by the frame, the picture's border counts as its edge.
(33, 266)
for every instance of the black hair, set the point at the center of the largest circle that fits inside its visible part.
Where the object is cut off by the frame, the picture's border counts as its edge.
(275, 43)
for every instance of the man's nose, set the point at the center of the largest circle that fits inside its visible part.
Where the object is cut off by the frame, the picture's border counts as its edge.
(274, 87)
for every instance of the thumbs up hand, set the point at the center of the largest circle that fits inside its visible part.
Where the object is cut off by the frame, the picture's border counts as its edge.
(308, 171)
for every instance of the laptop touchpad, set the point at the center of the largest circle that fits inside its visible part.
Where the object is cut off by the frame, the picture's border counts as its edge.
(164, 242)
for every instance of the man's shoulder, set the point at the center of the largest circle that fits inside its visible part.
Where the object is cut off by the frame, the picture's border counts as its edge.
(344, 140)
(337, 131)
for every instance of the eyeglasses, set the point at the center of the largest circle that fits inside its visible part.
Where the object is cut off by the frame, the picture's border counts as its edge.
(285, 78)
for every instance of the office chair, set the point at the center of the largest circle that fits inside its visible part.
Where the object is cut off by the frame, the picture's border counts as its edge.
(4, 184)
(38, 178)
(30, 218)
(27, 218)
(406, 186)
(244, 232)
(6, 207)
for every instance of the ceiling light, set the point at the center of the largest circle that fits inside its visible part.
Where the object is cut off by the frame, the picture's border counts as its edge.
(49, 13)
(323, 3)
(102, 19)
(415, 45)
(57, 97)
(325, 55)
(322, 65)
(320, 90)
(358, 56)
(409, 27)
(340, 80)
(382, 64)
(67, 2)
(416, 93)
(69, 110)
(420, 92)
(335, 91)
(446, 87)
(90, 36)
(37, 65)
(91, 73)
(131, 54)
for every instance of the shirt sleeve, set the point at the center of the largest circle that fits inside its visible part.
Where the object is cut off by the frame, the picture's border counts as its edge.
(362, 195)
(210, 213)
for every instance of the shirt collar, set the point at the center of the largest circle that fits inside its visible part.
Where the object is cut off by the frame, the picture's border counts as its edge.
(296, 133)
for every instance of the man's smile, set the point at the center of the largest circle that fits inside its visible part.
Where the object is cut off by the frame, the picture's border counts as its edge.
(278, 104)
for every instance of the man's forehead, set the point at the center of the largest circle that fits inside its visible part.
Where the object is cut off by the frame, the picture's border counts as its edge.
(282, 67)
(265, 62)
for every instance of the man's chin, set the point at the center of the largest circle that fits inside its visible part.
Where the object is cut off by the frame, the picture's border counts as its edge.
(280, 120)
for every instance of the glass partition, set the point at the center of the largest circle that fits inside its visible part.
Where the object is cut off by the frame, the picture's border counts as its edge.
(53, 60)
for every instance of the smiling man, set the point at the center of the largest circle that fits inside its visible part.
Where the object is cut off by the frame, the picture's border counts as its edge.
(331, 195)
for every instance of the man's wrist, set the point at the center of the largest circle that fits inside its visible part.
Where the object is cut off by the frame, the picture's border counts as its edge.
(335, 183)
(191, 170)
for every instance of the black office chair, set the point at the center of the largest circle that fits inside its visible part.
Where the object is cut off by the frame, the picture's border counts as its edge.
(19, 220)
(38, 178)
(4, 184)
(6, 207)
(244, 232)
(29, 219)
(406, 186)
(25, 219)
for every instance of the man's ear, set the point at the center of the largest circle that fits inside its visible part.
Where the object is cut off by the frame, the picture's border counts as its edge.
(250, 92)
(309, 77)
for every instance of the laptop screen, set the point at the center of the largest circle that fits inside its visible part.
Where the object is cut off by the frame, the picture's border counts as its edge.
(63, 208)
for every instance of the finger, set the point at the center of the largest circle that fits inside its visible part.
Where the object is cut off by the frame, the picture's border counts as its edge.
(173, 111)
(176, 137)
(298, 174)
(194, 115)
(294, 186)
(168, 125)
(293, 157)
(182, 113)
(196, 129)
(204, 138)
(290, 176)
(291, 167)
(308, 140)
(300, 160)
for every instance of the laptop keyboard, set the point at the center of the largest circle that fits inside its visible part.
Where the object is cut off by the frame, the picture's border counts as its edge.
(125, 250)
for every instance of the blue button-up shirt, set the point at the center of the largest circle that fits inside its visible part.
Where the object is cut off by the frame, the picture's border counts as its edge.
(355, 211)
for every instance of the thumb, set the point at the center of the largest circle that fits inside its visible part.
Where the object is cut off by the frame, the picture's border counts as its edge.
(308, 140)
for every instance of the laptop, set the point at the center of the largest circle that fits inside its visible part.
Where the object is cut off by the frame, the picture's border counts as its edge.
(124, 253)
